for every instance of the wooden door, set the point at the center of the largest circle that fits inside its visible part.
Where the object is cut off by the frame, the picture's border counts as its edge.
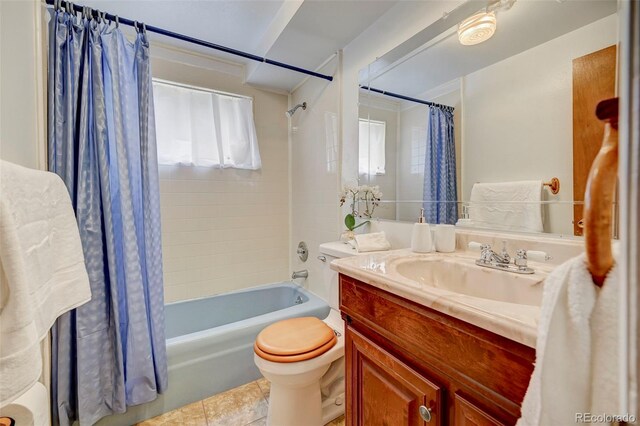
(594, 79)
(383, 391)
(466, 413)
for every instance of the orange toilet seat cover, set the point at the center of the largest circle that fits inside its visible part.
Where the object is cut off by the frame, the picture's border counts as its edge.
(295, 339)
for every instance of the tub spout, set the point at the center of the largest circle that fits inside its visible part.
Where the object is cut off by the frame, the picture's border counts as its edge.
(300, 274)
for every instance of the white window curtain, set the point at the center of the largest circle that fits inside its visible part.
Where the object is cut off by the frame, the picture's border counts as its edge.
(372, 147)
(204, 128)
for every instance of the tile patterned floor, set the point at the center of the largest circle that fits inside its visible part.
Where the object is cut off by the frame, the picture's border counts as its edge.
(245, 405)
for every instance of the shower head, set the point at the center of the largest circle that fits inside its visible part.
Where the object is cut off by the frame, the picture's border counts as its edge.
(295, 108)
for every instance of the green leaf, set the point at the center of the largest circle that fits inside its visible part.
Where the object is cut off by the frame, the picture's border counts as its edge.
(350, 222)
(356, 227)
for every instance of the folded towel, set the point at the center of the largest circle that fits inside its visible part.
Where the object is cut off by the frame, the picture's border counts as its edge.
(509, 206)
(42, 270)
(576, 350)
(376, 241)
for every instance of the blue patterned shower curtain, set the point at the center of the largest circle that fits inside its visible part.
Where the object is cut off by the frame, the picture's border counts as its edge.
(109, 353)
(440, 186)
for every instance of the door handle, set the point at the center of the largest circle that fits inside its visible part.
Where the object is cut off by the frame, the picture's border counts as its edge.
(425, 413)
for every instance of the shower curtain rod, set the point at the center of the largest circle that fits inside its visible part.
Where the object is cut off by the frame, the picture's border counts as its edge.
(95, 13)
(406, 98)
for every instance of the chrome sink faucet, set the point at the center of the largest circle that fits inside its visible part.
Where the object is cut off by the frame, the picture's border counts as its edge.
(502, 261)
(487, 255)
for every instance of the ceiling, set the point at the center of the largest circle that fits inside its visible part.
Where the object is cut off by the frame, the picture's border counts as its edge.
(442, 58)
(301, 33)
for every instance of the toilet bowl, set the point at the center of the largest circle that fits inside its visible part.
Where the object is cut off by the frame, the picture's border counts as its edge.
(303, 358)
(308, 392)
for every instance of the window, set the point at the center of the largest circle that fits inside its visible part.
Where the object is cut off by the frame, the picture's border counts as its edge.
(204, 128)
(372, 146)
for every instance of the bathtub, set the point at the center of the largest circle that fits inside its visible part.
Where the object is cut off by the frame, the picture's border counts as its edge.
(210, 343)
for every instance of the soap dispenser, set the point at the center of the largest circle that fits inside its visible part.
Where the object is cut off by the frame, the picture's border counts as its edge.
(421, 236)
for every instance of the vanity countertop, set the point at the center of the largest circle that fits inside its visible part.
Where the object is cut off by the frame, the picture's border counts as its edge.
(514, 321)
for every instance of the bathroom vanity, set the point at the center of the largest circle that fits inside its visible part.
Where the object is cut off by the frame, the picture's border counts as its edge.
(424, 354)
(407, 364)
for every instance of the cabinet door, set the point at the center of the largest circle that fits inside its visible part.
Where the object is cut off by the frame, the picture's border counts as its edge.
(466, 413)
(383, 391)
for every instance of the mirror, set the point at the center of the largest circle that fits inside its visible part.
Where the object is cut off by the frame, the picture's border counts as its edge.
(499, 134)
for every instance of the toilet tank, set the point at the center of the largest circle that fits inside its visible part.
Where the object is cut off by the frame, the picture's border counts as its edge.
(329, 252)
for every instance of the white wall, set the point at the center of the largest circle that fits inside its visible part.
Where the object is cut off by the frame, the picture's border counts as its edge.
(22, 113)
(413, 132)
(315, 162)
(22, 100)
(224, 230)
(531, 137)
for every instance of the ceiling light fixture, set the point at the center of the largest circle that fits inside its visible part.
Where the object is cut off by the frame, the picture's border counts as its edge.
(477, 28)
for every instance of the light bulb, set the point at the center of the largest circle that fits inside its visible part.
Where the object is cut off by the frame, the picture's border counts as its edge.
(477, 28)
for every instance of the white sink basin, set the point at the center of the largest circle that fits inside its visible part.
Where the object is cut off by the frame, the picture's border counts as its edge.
(464, 277)
(502, 302)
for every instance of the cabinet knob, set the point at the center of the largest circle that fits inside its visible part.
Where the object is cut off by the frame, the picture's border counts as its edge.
(425, 413)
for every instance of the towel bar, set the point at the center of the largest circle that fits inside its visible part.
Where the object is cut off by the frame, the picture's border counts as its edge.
(599, 195)
(554, 185)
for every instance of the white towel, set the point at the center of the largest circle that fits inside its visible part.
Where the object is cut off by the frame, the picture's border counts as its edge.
(375, 241)
(42, 270)
(576, 349)
(509, 206)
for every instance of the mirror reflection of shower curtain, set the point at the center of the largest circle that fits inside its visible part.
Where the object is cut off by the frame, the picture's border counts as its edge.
(440, 193)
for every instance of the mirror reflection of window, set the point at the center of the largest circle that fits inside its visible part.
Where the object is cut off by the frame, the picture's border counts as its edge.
(372, 147)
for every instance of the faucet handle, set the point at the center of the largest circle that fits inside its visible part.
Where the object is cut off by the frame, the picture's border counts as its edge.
(522, 256)
(486, 253)
(475, 246)
(521, 259)
(538, 256)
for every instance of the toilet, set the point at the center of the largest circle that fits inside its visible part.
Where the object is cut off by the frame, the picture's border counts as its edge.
(303, 358)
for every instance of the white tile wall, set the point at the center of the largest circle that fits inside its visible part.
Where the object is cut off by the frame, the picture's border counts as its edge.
(315, 151)
(224, 230)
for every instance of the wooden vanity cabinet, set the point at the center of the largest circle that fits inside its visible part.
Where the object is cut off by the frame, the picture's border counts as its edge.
(385, 391)
(407, 364)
